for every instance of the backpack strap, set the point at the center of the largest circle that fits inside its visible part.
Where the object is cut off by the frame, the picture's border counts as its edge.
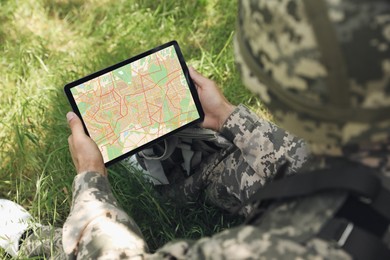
(360, 182)
(152, 161)
(188, 155)
(360, 240)
(359, 243)
(197, 133)
(154, 169)
(169, 147)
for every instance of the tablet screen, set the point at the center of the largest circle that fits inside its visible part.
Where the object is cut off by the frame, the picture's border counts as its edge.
(136, 102)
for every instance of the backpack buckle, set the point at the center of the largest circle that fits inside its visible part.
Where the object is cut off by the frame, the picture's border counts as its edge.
(345, 234)
(337, 231)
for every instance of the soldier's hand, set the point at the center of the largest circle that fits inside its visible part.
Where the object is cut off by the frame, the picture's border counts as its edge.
(85, 153)
(216, 107)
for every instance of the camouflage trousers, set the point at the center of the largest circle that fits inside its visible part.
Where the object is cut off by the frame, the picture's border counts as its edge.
(43, 241)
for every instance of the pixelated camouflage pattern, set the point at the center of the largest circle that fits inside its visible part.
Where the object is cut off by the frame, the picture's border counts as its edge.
(248, 242)
(258, 149)
(44, 241)
(373, 155)
(287, 231)
(96, 226)
(322, 67)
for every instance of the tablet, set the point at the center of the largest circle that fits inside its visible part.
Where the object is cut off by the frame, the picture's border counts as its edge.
(137, 102)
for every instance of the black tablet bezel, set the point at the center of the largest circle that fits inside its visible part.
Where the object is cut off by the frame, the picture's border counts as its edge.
(190, 83)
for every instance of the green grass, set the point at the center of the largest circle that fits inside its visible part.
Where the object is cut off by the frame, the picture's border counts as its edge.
(45, 44)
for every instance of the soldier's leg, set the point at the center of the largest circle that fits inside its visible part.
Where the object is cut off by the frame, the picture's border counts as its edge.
(20, 235)
(105, 238)
(43, 241)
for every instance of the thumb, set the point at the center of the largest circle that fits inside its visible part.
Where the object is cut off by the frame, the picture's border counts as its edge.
(198, 78)
(75, 124)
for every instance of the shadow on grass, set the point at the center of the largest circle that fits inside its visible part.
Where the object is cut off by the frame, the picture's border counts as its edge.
(161, 220)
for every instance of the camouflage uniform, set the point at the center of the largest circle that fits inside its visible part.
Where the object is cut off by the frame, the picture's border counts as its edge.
(323, 69)
(97, 226)
(257, 150)
(43, 241)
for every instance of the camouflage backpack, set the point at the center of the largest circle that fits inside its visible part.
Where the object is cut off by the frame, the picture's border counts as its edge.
(183, 151)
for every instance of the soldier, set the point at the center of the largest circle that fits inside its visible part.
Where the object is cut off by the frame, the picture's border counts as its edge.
(323, 68)
(97, 227)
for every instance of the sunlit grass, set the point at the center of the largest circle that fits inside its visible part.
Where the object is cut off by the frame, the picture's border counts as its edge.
(45, 44)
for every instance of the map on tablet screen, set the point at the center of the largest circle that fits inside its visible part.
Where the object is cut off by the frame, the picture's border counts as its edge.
(136, 103)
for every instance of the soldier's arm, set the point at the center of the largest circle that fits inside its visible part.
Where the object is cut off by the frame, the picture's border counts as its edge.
(264, 146)
(96, 225)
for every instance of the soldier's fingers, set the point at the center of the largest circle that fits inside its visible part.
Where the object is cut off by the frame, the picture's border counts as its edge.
(72, 150)
(198, 78)
(75, 125)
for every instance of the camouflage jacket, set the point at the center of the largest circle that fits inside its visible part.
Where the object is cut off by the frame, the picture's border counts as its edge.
(97, 227)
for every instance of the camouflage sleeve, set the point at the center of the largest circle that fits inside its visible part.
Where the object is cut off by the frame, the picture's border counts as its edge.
(264, 146)
(250, 242)
(97, 226)
(233, 175)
